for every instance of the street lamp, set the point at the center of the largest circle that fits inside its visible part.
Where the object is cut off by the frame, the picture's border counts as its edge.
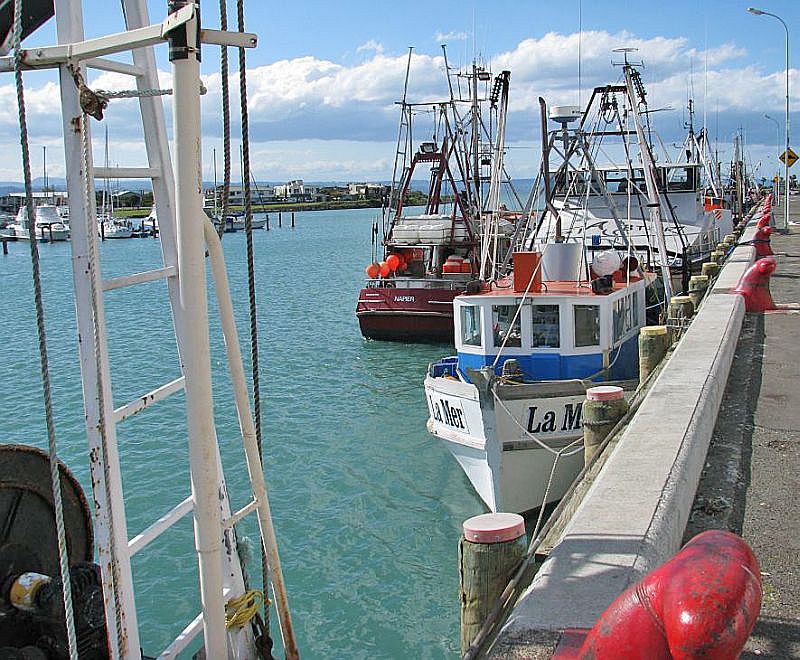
(761, 12)
(776, 187)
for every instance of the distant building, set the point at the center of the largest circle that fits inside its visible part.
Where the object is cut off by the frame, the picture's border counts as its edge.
(366, 190)
(258, 195)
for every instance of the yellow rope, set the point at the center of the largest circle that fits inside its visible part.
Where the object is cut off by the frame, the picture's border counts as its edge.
(240, 610)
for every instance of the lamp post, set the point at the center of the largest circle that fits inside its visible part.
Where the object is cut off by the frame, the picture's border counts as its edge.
(761, 12)
(776, 187)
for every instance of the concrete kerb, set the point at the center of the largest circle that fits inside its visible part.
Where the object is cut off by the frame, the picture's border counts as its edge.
(633, 517)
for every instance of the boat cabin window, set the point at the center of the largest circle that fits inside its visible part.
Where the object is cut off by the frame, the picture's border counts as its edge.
(587, 325)
(545, 324)
(471, 325)
(626, 315)
(620, 180)
(681, 178)
(505, 327)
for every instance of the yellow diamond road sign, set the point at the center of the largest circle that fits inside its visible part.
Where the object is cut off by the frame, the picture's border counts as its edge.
(788, 157)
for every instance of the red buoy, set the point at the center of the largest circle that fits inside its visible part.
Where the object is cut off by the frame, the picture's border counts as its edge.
(373, 270)
(703, 602)
(393, 261)
(754, 285)
(385, 270)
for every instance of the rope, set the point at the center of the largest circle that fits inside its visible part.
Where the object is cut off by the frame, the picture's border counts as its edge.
(55, 477)
(251, 285)
(241, 610)
(226, 121)
(91, 224)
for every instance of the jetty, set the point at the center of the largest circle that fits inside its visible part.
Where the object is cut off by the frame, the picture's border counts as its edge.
(715, 444)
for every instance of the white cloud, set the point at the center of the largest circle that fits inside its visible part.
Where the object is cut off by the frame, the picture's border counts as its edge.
(444, 37)
(313, 102)
(371, 45)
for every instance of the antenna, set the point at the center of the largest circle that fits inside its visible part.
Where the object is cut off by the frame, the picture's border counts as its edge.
(625, 50)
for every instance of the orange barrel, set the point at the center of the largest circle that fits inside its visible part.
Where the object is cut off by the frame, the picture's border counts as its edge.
(452, 264)
(526, 267)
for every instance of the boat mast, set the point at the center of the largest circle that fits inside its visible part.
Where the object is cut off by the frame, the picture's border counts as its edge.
(636, 91)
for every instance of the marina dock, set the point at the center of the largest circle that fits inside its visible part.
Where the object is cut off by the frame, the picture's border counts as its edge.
(724, 453)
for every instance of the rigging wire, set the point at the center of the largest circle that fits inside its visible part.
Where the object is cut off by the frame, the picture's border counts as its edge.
(55, 477)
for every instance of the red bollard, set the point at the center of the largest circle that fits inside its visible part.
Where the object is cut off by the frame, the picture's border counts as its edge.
(703, 602)
(754, 285)
(765, 219)
(761, 242)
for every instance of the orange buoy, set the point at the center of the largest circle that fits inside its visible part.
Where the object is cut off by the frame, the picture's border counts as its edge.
(385, 270)
(393, 261)
(373, 270)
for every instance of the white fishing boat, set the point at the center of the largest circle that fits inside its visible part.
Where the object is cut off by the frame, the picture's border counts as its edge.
(508, 404)
(114, 228)
(585, 276)
(66, 567)
(50, 226)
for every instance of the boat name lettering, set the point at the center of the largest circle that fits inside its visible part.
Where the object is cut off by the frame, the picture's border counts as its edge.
(408, 299)
(446, 413)
(547, 421)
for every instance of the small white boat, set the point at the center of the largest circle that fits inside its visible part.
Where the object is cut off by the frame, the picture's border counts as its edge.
(114, 228)
(50, 226)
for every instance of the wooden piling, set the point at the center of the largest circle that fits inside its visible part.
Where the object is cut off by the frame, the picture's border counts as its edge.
(698, 285)
(490, 549)
(717, 256)
(605, 405)
(710, 269)
(292, 219)
(280, 220)
(653, 345)
(681, 310)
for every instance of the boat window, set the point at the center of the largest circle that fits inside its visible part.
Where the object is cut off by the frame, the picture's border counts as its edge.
(471, 325)
(681, 178)
(545, 323)
(587, 325)
(504, 330)
(626, 315)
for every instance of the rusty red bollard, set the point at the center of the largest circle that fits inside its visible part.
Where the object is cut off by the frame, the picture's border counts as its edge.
(764, 221)
(703, 602)
(761, 242)
(754, 285)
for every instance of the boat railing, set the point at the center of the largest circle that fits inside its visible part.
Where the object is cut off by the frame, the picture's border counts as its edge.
(415, 283)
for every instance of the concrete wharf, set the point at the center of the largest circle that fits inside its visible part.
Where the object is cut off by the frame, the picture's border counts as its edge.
(715, 445)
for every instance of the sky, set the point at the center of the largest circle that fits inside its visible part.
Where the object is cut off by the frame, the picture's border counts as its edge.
(324, 80)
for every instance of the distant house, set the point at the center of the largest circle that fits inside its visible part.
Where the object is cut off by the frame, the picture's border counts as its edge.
(259, 195)
(366, 190)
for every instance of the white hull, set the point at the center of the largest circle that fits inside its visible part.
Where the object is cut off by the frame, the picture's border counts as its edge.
(43, 234)
(506, 465)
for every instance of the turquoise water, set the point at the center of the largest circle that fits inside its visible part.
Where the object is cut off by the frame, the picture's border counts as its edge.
(367, 506)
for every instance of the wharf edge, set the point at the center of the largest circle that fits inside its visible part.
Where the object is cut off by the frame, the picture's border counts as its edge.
(755, 444)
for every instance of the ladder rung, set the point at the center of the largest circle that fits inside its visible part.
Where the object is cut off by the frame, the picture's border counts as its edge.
(126, 173)
(129, 410)
(114, 66)
(159, 526)
(188, 634)
(241, 513)
(139, 278)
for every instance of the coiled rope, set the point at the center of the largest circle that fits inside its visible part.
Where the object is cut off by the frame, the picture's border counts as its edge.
(55, 477)
(241, 610)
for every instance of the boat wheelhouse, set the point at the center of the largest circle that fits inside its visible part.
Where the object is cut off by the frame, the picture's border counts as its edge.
(50, 226)
(508, 405)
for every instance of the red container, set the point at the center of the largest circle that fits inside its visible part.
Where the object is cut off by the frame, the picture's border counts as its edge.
(527, 267)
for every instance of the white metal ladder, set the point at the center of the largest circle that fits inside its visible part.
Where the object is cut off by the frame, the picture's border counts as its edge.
(178, 203)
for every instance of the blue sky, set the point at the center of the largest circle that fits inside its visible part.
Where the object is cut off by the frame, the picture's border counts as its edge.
(325, 76)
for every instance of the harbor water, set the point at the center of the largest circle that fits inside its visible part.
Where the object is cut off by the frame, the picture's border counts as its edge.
(367, 506)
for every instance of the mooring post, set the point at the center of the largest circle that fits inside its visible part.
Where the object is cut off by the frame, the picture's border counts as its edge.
(5, 245)
(605, 405)
(681, 310)
(653, 345)
(280, 220)
(710, 269)
(292, 219)
(698, 285)
(490, 549)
